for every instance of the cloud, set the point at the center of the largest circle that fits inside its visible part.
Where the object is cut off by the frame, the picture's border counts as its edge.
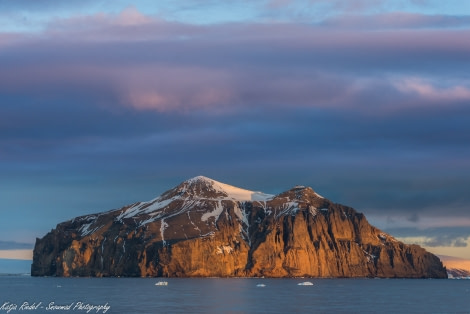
(451, 231)
(166, 88)
(149, 63)
(327, 6)
(431, 93)
(372, 14)
(278, 4)
(451, 237)
(455, 222)
(353, 6)
(413, 218)
(461, 242)
(445, 241)
(129, 17)
(11, 245)
(396, 20)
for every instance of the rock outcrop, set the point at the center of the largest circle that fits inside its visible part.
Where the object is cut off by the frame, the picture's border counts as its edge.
(206, 228)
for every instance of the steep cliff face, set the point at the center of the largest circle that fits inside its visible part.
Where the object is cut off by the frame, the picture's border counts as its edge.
(207, 228)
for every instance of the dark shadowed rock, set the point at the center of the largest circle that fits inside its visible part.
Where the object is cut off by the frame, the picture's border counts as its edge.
(206, 228)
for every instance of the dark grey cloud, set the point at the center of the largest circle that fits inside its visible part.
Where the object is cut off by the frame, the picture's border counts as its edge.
(414, 217)
(445, 241)
(453, 232)
(433, 237)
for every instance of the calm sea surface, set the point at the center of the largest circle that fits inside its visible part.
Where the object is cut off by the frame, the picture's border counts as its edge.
(141, 295)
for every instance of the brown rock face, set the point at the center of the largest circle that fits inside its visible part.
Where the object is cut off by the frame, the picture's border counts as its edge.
(206, 228)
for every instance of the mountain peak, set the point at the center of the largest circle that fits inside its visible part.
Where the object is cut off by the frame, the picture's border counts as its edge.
(200, 179)
(202, 186)
(300, 192)
(192, 191)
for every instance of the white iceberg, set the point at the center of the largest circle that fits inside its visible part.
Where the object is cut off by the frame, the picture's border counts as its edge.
(305, 283)
(162, 283)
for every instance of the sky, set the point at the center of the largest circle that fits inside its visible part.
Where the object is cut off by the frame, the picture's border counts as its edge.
(105, 103)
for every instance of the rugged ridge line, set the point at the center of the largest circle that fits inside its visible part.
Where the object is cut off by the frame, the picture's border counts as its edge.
(206, 228)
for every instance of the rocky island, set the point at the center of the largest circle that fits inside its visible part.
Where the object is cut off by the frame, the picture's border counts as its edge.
(207, 228)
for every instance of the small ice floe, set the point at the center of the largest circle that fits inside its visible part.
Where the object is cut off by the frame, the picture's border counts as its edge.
(59, 286)
(305, 283)
(261, 285)
(162, 283)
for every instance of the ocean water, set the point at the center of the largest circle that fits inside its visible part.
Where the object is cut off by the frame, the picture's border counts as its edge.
(25, 294)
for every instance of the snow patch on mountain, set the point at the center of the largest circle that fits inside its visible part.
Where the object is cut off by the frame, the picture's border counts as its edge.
(146, 207)
(88, 226)
(289, 208)
(218, 209)
(163, 226)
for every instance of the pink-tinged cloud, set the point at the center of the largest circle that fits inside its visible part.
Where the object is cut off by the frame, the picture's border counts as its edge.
(151, 64)
(161, 101)
(154, 99)
(432, 93)
(170, 88)
(186, 88)
(131, 16)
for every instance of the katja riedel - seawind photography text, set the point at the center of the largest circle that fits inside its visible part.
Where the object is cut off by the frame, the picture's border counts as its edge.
(79, 306)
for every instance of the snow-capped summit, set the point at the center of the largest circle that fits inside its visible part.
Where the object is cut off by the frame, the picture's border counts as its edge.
(196, 192)
(203, 186)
